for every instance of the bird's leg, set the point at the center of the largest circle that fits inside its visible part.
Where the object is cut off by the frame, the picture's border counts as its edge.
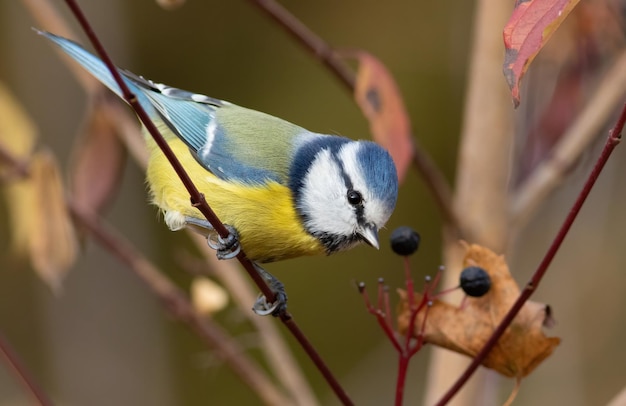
(227, 248)
(261, 306)
(199, 226)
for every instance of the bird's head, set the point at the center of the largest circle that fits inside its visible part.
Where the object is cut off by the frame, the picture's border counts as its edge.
(344, 190)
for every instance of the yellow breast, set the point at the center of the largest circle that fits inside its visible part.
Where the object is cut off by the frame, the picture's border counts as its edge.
(265, 217)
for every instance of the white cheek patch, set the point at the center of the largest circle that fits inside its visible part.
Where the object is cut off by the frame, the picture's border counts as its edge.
(324, 198)
(374, 210)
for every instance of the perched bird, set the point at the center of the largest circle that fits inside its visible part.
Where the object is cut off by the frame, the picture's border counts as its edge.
(287, 191)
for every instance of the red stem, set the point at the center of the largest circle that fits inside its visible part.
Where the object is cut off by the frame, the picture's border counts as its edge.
(389, 332)
(614, 138)
(317, 360)
(19, 371)
(381, 319)
(403, 366)
(387, 309)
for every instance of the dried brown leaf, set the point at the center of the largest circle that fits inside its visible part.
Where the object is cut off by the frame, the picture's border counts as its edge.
(98, 159)
(53, 245)
(466, 330)
(379, 98)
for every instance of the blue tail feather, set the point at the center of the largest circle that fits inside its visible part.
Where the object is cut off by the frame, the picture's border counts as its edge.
(95, 66)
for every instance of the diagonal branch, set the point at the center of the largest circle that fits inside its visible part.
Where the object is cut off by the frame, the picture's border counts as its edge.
(198, 201)
(19, 371)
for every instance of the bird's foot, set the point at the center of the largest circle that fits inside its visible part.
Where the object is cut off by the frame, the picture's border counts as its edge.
(228, 247)
(261, 306)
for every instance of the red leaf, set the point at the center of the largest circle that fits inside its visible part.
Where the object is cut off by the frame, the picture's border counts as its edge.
(378, 96)
(530, 27)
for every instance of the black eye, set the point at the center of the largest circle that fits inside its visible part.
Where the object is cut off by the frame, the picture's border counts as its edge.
(354, 197)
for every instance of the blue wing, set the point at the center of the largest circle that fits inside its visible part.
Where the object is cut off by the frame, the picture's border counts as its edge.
(232, 142)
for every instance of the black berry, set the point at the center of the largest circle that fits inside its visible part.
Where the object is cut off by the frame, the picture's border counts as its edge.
(475, 281)
(404, 241)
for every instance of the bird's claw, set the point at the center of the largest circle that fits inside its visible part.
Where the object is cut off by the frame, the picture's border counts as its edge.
(227, 248)
(261, 306)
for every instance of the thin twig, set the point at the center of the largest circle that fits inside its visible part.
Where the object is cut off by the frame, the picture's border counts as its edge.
(381, 318)
(271, 342)
(22, 374)
(614, 138)
(315, 357)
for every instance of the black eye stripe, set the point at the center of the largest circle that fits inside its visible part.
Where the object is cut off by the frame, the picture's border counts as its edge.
(346, 179)
(358, 207)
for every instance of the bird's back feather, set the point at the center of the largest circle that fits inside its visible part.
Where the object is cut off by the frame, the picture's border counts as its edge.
(232, 142)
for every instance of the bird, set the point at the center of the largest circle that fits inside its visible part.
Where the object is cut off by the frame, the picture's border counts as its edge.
(284, 191)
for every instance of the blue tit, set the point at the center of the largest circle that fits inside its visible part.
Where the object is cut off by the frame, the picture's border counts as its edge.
(287, 191)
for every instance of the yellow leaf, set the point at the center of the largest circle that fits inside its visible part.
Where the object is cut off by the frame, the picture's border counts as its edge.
(17, 132)
(19, 194)
(17, 136)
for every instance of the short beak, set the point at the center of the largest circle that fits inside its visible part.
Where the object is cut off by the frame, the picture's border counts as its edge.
(369, 235)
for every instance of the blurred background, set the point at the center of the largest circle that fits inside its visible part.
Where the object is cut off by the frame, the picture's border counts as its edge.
(106, 340)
